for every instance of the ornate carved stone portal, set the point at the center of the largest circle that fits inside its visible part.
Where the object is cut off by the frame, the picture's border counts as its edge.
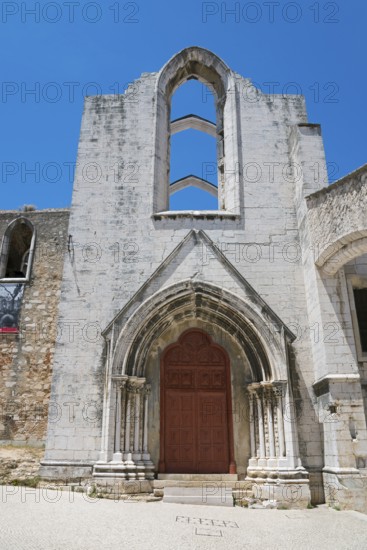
(131, 459)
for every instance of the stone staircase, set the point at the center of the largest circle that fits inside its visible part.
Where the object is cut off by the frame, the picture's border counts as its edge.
(212, 489)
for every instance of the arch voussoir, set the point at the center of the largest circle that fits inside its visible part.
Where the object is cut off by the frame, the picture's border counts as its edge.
(263, 343)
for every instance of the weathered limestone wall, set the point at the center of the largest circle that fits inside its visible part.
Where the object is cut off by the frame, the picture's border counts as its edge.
(337, 218)
(113, 208)
(336, 389)
(272, 233)
(26, 358)
(308, 158)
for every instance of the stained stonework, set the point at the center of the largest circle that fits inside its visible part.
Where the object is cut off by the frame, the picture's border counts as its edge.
(338, 221)
(19, 463)
(26, 357)
(251, 275)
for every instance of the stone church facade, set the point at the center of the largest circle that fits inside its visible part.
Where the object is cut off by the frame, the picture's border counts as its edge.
(225, 344)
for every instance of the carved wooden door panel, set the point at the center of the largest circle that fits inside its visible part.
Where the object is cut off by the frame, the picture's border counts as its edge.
(195, 422)
(180, 431)
(212, 440)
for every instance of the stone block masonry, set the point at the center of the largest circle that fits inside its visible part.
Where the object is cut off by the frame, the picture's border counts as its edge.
(138, 277)
(26, 357)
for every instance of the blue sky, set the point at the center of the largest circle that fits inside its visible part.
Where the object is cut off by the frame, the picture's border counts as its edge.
(320, 46)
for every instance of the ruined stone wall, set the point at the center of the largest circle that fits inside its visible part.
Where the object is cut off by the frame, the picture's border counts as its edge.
(337, 216)
(26, 358)
(119, 241)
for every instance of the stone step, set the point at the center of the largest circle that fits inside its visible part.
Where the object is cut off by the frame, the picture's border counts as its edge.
(235, 484)
(196, 495)
(198, 477)
(216, 493)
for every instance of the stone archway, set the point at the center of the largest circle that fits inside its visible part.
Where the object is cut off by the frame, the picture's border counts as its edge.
(131, 422)
(203, 65)
(196, 433)
(337, 238)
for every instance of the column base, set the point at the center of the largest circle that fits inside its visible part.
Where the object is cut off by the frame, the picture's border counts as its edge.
(274, 473)
(274, 467)
(149, 466)
(125, 469)
(117, 457)
(104, 456)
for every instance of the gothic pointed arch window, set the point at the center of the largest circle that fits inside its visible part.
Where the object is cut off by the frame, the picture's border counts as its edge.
(17, 251)
(223, 184)
(193, 148)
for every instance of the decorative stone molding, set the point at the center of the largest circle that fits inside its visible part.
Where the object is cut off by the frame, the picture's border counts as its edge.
(131, 458)
(322, 386)
(269, 439)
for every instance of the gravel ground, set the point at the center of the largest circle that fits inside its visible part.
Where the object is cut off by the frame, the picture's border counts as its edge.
(43, 519)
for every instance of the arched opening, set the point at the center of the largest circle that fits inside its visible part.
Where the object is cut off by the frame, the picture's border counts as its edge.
(256, 345)
(196, 407)
(199, 300)
(193, 145)
(17, 250)
(341, 251)
(193, 93)
(356, 276)
(193, 172)
(360, 300)
(197, 67)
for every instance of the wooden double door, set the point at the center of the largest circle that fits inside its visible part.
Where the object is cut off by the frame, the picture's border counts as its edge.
(196, 434)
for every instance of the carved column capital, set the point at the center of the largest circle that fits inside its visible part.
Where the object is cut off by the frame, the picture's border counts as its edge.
(255, 389)
(279, 388)
(135, 384)
(268, 393)
(120, 381)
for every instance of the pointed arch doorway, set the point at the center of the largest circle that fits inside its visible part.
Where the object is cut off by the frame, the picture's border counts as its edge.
(196, 435)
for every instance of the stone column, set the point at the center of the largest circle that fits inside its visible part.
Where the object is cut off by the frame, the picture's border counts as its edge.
(128, 422)
(146, 455)
(109, 403)
(269, 405)
(117, 455)
(129, 463)
(292, 458)
(278, 393)
(252, 424)
(271, 433)
(260, 417)
(148, 464)
(123, 414)
(139, 384)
